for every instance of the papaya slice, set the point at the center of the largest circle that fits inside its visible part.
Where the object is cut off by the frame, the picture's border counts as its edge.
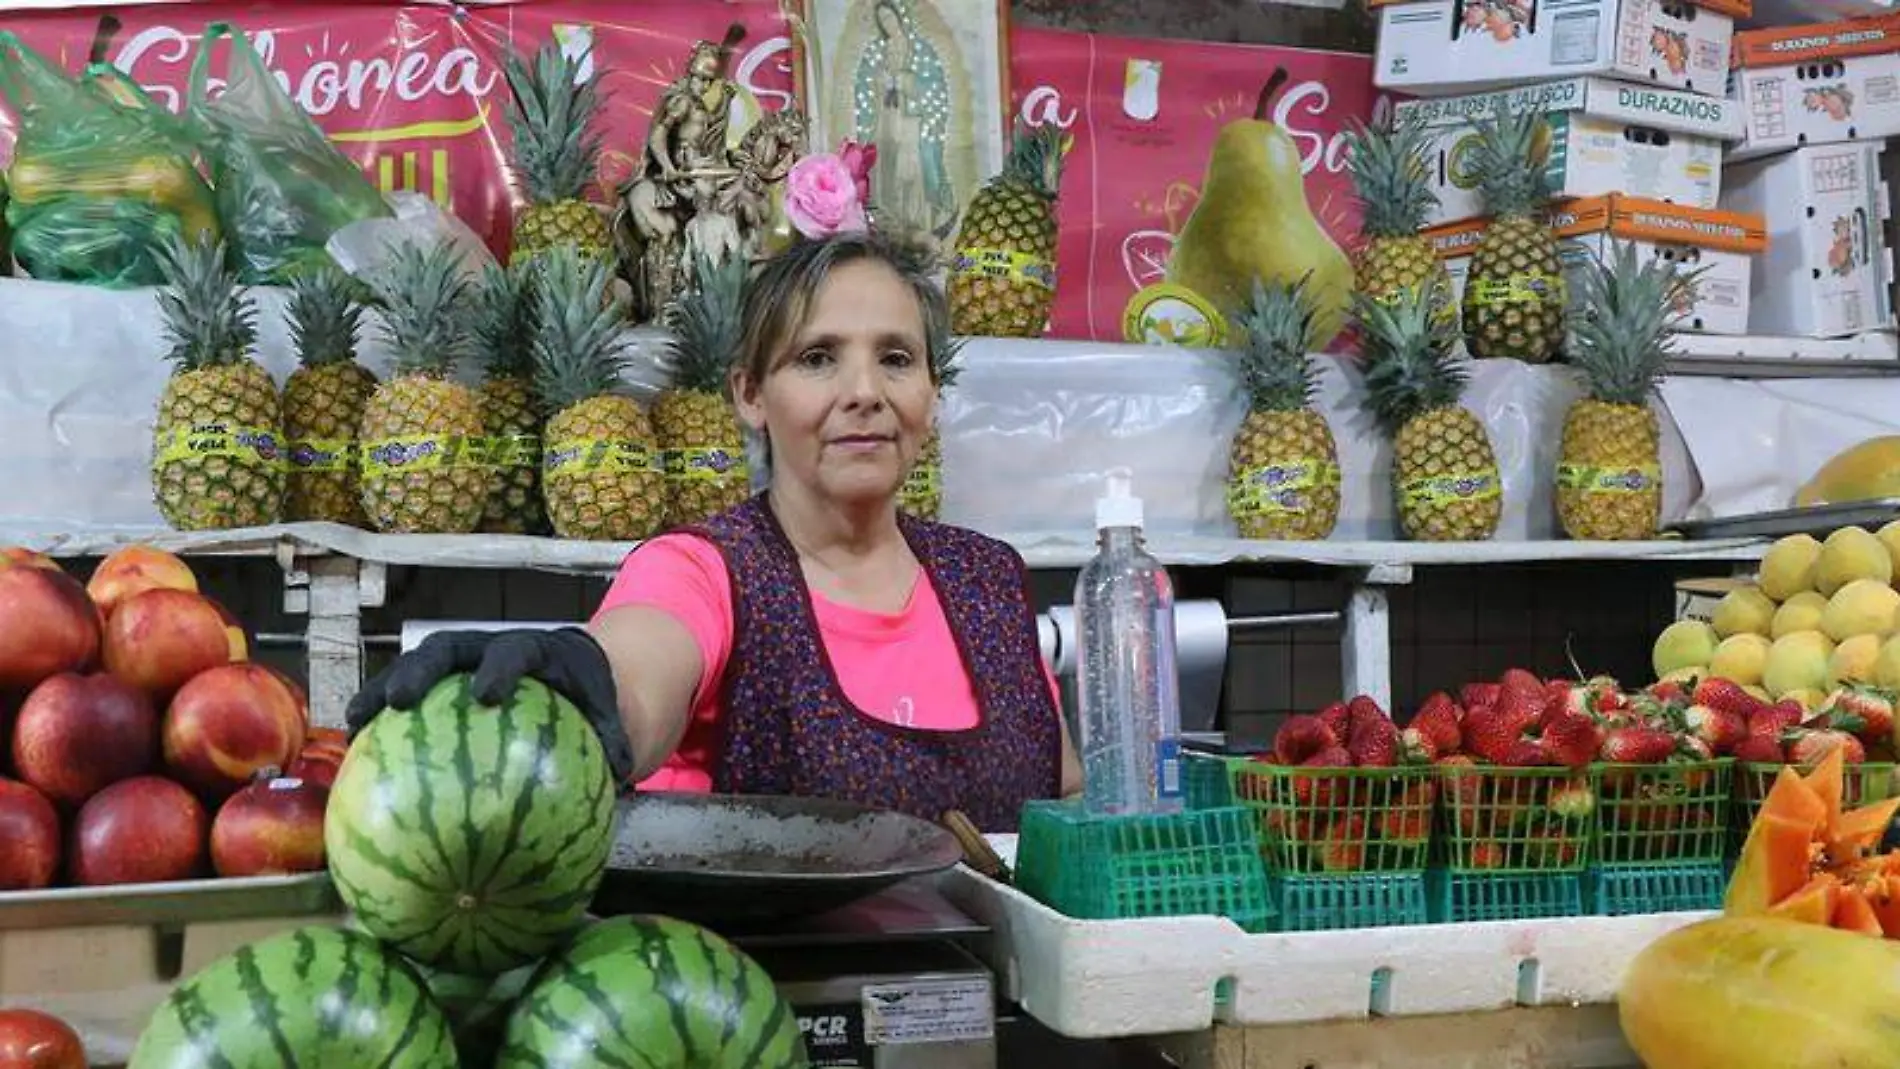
(1883, 897)
(1778, 856)
(1857, 833)
(1853, 913)
(1815, 903)
(1809, 861)
(1828, 781)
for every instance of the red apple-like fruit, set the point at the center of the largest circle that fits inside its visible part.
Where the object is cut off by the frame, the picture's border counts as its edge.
(47, 625)
(134, 570)
(141, 830)
(157, 639)
(231, 722)
(77, 734)
(30, 1039)
(319, 764)
(270, 828)
(30, 558)
(29, 826)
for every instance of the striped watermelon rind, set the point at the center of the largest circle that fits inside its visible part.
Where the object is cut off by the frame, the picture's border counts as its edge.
(311, 996)
(469, 838)
(652, 991)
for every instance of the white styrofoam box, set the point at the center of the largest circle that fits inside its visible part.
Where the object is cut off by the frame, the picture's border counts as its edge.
(1828, 267)
(1605, 137)
(1817, 84)
(1722, 244)
(1435, 47)
(1108, 979)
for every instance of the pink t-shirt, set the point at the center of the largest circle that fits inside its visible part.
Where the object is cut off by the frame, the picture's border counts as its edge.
(903, 668)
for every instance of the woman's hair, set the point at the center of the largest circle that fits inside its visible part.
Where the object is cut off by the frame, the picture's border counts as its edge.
(778, 300)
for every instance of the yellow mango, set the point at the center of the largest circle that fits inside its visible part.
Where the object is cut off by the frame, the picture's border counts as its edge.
(1857, 473)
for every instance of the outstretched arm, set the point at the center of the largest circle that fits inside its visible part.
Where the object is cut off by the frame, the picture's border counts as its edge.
(656, 668)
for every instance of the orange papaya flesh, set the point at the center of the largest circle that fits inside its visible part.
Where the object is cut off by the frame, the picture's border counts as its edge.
(1815, 903)
(1809, 861)
(1853, 913)
(1828, 782)
(1858, 832)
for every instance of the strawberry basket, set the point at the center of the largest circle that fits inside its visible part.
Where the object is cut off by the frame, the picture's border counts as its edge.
(1515, 820)
(1869, 781)
(1337, 821)
(1662, 814)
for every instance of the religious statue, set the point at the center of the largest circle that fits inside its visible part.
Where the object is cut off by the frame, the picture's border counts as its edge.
(691, 192)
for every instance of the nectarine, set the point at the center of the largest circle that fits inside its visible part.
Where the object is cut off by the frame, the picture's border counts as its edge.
(47, 625)
(157, 639)
(272, 827)
(77, 734)
(141, 830)
(230, 722)
(134, 570)
(29, 826)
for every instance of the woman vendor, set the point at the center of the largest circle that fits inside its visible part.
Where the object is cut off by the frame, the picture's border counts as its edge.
(813, 641)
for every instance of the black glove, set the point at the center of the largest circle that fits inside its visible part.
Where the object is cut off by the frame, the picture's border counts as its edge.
(568, 660)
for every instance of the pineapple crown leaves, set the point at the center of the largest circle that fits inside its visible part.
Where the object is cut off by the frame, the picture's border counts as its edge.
(1620, 338)
(209, 318)
(1410, 365)
(551, 113)
(1389, 172)
(324, 314)
(1509, 158)
(580, 348)
(503, 319)
(1276, 327)
(1035, 158)
(423, 295)
(706, 324)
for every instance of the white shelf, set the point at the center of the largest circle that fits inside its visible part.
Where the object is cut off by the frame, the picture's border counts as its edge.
(1762, 356)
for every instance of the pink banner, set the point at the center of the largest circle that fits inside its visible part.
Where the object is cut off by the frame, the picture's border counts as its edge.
(1144, 115)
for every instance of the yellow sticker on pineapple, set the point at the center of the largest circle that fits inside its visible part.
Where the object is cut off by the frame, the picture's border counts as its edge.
(419, 452)
(321, 454)
(1004, 264)
(692, 462)
(1593, 479)
(586, 456)
(513, 450)
(1532, 288)
(1450, 489)
(1279, 488)
(924, 481)
(215, 438)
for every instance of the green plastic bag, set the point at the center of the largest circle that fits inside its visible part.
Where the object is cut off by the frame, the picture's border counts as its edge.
(99, 179)
(282, 187)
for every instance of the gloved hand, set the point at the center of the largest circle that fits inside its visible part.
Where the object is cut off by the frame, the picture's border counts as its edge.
(568, 660)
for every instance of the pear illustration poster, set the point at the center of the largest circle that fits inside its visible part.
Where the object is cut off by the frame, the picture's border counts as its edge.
(1144, 118)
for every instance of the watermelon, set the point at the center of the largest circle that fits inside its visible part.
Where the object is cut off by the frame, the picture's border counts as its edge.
(472, 839)
(652, 992)
(476, 1007)
(311, 996)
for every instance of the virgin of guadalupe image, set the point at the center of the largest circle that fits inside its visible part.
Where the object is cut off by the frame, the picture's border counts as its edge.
(901, 84)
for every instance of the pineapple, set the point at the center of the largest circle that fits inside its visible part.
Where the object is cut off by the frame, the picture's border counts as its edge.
(1003, 280)
(1514, 295)
(511, 418)
(921, 494)
(1283, 480)
(324, 399)
(1389, 172)
(601, 475)
(1609, 480)
(421, 431)
(551, 113)
(702, 447)
(217, 457)
(1444, 473)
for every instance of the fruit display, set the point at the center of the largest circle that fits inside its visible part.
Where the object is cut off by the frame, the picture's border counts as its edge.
(1003, 280)
(1283, 467)
(697, 429)
(551, 114)
(1609, 475)
(419, 475)
(601, 473)
(147, 746)
(504, 327)
(1390, 174)
(324, 400)
(1515, 295)
(1445, 479)
(30, 1039)
(217, 449)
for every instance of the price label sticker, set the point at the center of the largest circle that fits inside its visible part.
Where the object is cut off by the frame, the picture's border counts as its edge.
(928, 1011)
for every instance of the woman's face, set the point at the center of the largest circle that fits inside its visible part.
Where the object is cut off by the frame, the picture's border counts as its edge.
(849, 401)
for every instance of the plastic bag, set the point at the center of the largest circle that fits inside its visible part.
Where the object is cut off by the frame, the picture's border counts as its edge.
(100, 178)
(282, 188)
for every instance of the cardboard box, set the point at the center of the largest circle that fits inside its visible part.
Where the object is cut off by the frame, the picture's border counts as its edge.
(1435, 47)
(1829, 265)
(1822, 83)
(1724, 245)
(1696, 599)
(1606, 137)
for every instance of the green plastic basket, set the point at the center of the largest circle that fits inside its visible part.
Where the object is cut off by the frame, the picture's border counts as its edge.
(1515, 820)
(1198, 862)
(1863, 783)
(1667, 814)
(1459, 897)
(1373, 900)
(1204, 781)
(1338, 821)
(1617, 892)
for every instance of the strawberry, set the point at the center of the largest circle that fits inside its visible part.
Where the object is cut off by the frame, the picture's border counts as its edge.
(1374, 742)
(1637, 746)
(1489, 734)
(1407, 825)
(1573, 800)
(1521, 708)
(1343, 847)
(1484, 856)
(1774, 719)
(1806, 746)
(1863, 711)
(1478, 694)
(1561, 695)
(1434, 731)
(1727, 696)
(1570, 739)
(1522, 681)
(1320, 790)
(1667, 690)
(1300, 737)
(1720, 729)
(1525, 753)
(1761, 748)
(1337, 720)
(1361, 709)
